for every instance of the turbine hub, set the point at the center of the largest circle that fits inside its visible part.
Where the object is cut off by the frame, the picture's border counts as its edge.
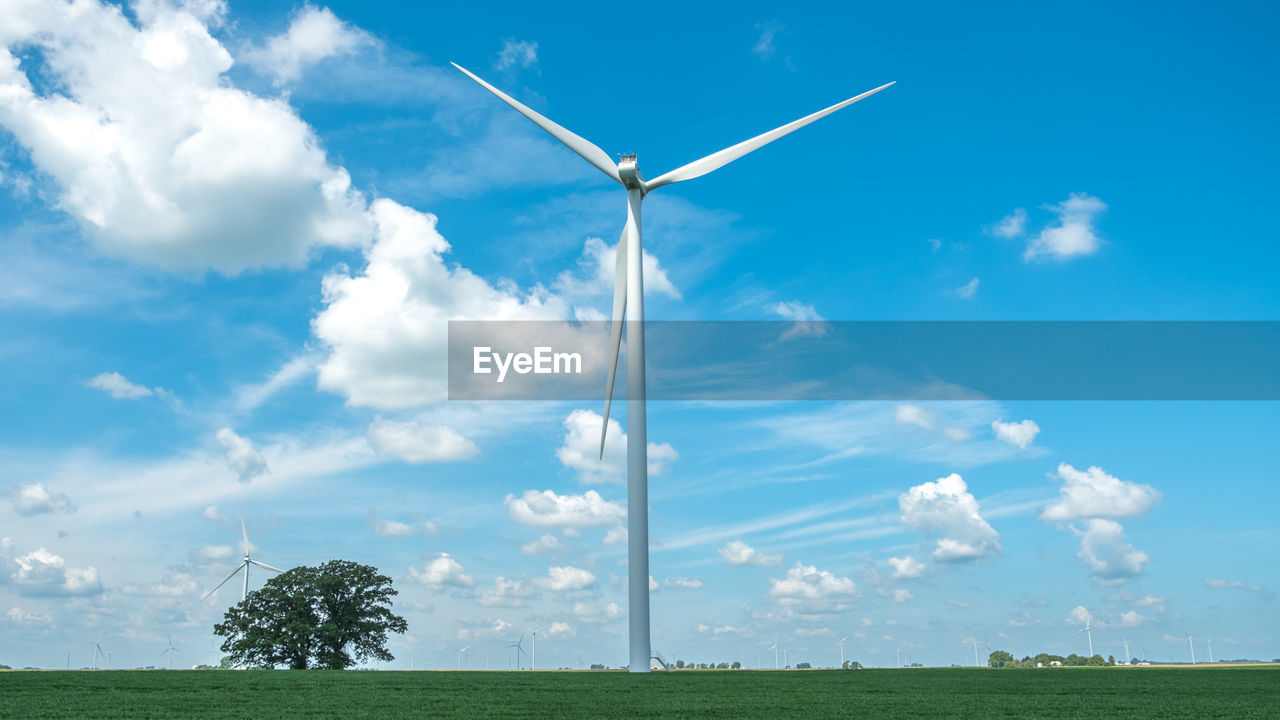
(630, 173)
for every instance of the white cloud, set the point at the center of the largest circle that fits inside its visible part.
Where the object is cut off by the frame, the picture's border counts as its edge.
(417, 443)
(441, 570)
(612, 611)
(547, 509)
(35, 499)
(249, 397)
(914, 415)
(242, 457)
(505, 593)
(808, 587)
(213, 553)
(901, 596)
(969, 290)
(565, 578)
(806, 320)
(1131, 619)
(522, 53)
(580, 450)
(18, 616)
(616, 535)
(1073, 235)
(560, 629)
(542, 546)
(947, 508)
(906, 568)
(736, 552)
(119, 387)
(41, 573)
(395, 528)
(177, 585)
(1224, 584)
(386, 328)
(765, 47)
(213, 514)
(315, 34)
(158, 156)
(1079, 616)
(1020, 434)
(1111, 560)
(683, 583)
(1094, 493)
(1151, 601)
(1011, 226)
(597, 268)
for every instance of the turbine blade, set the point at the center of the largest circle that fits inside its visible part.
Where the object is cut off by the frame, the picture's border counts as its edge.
(583, 147)
(268, 567)
(224, 582)
(615, 335)
(244, 534)
(698, 168)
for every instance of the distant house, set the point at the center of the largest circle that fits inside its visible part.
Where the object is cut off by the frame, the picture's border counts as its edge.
(1055, 663)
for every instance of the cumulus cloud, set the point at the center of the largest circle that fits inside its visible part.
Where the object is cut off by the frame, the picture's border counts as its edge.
(119, 387)
(580, 450)
(1079, 615)
(36, 499)
(1103, 549)
(213, 514)
(1011, 226)
(913, 415)
(418, 443)
(900, 595)
(505, 593)
(212, 553)
(542, 546)
(315, 34)
(441, 570)
(906, 568)
(517, 53)
(947, 508)
(547, 509)
(616, 535)
(1093, 493)
(1073, 234)
(18, 616)
(1019, 434)
(683, 583)
(1224, 584)
(565, 578)
(41, 573)
(736, 552)
(157, 154)
(395, 528)
(597, 269)
(1130, 619)
(808, 588)
(242, 457)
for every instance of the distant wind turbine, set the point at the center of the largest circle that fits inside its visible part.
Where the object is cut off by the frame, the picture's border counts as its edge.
(97, 649)
(533, 658)
(1127, 656)
(170, 651)
(461, 651)
(1211, 650)
(519, 646)
(1192, 645)
(413, 649)
(841, 641)
(244, 565)
(774, 648)
(1088, 628)
(628, 301)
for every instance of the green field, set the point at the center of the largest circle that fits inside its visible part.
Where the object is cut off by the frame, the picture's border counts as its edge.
(1238, 693)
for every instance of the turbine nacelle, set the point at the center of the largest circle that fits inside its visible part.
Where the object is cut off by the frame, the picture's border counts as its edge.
(629, 173)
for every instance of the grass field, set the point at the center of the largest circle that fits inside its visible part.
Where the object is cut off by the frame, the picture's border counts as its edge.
(1149, 693)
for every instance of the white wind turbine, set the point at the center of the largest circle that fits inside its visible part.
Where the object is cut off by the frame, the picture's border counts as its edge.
(1210, 650)
(974, 642)
(841, 641)
(170, 651)
(1127, 657)
(1088, 628)
(774, 648)
(628, 301)
(1192, 645)
(533, 658)
(97, 649)
(461, 651)
(244, 565)
(519, 646)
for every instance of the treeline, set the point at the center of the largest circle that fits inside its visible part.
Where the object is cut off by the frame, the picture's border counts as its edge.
(1000, 658)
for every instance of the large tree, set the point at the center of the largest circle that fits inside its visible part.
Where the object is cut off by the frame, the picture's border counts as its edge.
(331, 616)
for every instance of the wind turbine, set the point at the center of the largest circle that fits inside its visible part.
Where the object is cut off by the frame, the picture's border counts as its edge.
(170, 651)
(1210, 650)
(1127, 657)
(774, 648)
(97, 649)
(413, 649)
(841, 641)
(519, 646)
(1088, 628)
(244, 565)
(461, 650)
(1192, 645)
(533, 660)
(628, 301)
(974, 641)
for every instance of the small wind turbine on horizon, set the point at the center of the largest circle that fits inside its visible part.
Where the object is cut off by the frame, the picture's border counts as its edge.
(170, 651)
(628, 303)
(533, 658)
(519, 646)
(1127, 657)
(841, 641)
(461, 652)
(1210, 650)
(774, 648)
(1192, 645)
(974, 642)
(244, 565)
(97, 650)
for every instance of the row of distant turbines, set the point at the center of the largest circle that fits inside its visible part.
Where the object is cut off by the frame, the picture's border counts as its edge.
(1191, 646)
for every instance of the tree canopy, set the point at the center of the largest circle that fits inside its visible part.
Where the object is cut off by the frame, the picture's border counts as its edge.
(331, 616)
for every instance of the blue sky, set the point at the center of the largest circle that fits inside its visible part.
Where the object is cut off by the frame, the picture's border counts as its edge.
(234, 234)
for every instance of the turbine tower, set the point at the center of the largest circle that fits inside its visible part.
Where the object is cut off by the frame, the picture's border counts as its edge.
(1127, 657)
(170, 651)
(1088, 629)
(1210, 650)
(244, 565)
(1192, 645)
(774, 648)
(97, 649)
(628, 302)
(841, 641)
(519, 646)
(461, 652)
(533, 657)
